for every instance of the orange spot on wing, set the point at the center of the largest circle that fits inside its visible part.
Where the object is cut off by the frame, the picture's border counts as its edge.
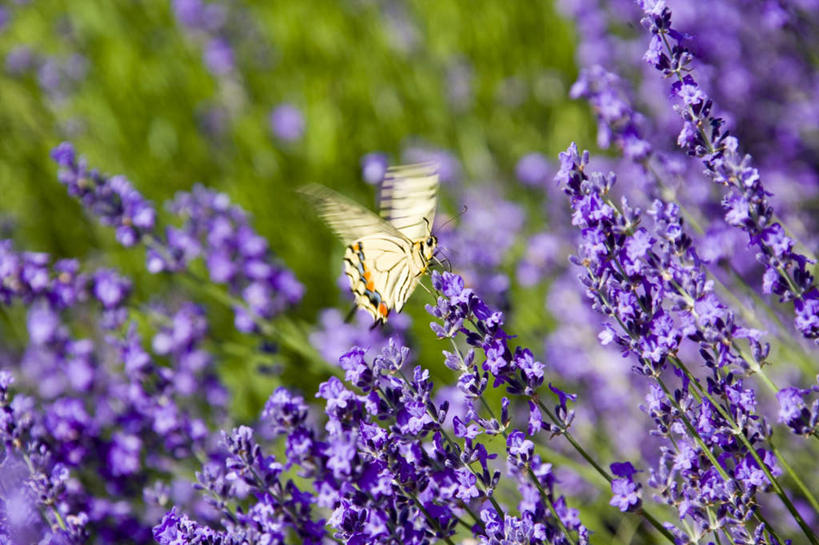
(356, 247)
(370, 284)
(367, 275)
(383, 310)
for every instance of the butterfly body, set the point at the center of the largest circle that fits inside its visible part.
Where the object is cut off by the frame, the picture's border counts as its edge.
(385, 256)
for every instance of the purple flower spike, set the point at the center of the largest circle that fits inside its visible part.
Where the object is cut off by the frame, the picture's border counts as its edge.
(746, 203)
(113, 200)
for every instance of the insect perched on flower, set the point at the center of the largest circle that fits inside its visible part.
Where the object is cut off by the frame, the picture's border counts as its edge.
(386, 256)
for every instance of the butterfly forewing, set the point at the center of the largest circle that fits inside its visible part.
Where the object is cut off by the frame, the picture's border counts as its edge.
(348, 219)
(408, 198)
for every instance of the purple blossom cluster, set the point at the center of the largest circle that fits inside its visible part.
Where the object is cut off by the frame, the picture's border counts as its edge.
(108, 418)
(234, 253)
(287, 122)
(746, 203)
(392, 464)
(109, 404)
(208, 19)
(728, 47)
(231, 41)
(212, 229)
(618, 123)
(57, 76)
(797, 412)
(112, 199)
(655, 291)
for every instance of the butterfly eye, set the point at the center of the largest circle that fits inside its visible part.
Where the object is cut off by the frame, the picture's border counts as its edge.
(429, 241)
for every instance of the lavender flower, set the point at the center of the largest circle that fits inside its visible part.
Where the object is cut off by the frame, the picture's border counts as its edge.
(533, 169)
(199, 15)
(213, 229)
(287, 122)
(39, 483)
(4, 18)
(384, 466)
(94, 423)
(625, 492)
(657, 294)
(795, 412)
(236, 255)
(617, 120)
(373, 167)
(746, 204)
(19, 60)
(219, 57)
(113, 200)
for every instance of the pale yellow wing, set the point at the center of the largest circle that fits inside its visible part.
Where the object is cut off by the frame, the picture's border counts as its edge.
(382, 273)
(409, 197)
(348, 219)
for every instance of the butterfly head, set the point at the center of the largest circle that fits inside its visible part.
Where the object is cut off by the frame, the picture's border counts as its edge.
(428, 247)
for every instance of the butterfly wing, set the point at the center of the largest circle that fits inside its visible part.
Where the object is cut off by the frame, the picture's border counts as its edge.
(349, 220)
(379, 260)
(408, 198)
(382, 273)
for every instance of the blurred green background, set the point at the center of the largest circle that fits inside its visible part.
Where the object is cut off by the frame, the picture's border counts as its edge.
(127, 84)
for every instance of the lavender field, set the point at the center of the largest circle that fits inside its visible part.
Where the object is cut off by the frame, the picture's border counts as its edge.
(618, 342)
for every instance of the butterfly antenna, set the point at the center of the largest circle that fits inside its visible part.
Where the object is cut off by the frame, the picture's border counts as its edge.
(349, 317)
(463, 211)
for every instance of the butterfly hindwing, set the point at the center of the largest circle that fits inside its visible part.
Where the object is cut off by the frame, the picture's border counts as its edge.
(382, 273)
(408, 198)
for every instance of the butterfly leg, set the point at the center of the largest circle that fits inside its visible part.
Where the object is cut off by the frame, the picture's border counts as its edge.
(351, 314)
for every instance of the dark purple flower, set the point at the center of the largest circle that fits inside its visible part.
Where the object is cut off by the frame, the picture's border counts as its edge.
(625, 492)
(795, 412)
(124, 453)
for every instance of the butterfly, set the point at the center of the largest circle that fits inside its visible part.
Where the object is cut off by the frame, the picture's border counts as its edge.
(387, 255)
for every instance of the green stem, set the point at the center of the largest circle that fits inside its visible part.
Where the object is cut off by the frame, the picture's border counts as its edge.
(570, 438)
(605, 474)
(551, 506)
(795, 476)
